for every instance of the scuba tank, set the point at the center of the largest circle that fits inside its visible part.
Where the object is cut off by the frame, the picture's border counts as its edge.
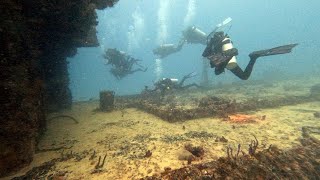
(227, 46)
(194, 35)
(218, 42)
(174, 80)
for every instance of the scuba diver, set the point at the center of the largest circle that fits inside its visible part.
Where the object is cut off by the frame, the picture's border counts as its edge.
(165, 50)
(191, 34)
(167, 84)
(122, 64)
(194, 35)
(222, 54)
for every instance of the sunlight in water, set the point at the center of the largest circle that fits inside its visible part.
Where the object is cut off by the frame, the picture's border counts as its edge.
(158, 69)
(190, 13)
(162, 21)
(136, 31)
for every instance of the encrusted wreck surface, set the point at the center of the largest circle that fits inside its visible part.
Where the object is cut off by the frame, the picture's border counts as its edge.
(301, 162)
(257, 161)
(209, 106)
(36, 38)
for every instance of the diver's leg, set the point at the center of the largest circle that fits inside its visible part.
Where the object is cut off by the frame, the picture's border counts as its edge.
(244, 75)
(190, 75)
(190, 85)
(136, 70)
(143, 70)
(182, 81)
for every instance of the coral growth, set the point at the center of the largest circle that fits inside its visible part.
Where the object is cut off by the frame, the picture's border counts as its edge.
(272, 163)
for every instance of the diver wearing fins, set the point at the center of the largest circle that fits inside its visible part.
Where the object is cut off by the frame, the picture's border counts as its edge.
(192, 35)
(168, 84)
(122, 64)
(222, 54)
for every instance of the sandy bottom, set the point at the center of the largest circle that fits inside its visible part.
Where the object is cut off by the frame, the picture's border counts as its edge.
(125, 137)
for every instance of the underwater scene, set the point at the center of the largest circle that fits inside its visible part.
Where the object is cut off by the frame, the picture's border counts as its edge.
(190, 89)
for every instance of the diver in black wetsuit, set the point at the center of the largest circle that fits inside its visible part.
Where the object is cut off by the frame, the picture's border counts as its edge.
(165, 50)
(122, 64)
(167, 84)
(191, 35)
(222, 54)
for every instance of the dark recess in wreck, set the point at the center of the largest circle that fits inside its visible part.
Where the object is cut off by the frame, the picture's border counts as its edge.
(36, 38)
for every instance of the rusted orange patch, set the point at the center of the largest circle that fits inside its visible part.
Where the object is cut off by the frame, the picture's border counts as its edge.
(242, 118)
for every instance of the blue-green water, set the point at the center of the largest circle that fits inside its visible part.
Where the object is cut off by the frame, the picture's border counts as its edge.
(138, 26)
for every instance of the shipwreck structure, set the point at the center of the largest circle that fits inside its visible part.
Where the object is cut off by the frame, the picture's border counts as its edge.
(36, 38)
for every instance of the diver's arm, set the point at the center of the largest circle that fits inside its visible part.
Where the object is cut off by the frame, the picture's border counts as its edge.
(156, 87)
(136, 70)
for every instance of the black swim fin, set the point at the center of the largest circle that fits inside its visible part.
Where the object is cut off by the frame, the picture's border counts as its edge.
(273, 51)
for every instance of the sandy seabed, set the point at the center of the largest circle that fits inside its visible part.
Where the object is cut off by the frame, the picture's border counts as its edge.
(126, 136)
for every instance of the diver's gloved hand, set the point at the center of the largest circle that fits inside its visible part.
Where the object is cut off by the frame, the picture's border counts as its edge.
(218, 60)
